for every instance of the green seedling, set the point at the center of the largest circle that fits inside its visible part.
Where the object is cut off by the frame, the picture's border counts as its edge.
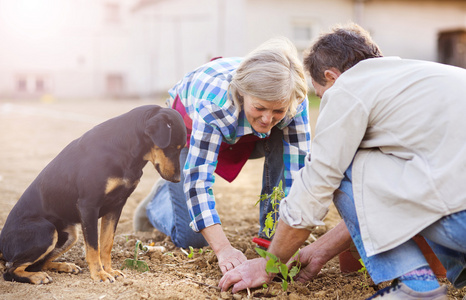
(201, 251)
(136, 264)
(271, 219)
(191, 252)
(275, 266)
(363, 270)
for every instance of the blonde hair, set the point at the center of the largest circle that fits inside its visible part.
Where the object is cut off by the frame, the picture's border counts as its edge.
(271, 72)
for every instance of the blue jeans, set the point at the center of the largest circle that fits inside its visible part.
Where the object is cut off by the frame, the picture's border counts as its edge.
(446, 237)
(168, 211)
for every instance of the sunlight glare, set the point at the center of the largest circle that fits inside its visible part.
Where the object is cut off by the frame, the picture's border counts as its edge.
(33, 19)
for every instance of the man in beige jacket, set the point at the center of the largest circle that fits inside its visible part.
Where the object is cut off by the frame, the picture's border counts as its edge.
(390, 152)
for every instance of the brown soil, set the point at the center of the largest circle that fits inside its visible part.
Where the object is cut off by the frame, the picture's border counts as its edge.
(32, 133)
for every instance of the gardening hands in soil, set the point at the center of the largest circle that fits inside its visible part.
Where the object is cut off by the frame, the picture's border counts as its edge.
(311, 263)
(314, 256)
(229, 259)
(249, 274)
(227, 256)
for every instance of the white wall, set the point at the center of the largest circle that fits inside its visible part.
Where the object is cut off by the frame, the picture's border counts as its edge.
(271, 18)
(410, 28)
(75, 48)
(178, 36)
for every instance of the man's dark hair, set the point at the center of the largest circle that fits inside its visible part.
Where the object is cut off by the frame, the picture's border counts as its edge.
(342, 48)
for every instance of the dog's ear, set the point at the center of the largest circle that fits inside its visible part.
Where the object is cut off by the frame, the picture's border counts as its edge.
(159, 130)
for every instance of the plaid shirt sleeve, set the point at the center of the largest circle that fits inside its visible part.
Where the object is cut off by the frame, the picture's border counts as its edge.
(297, 142)
(205, 96)
(208, 128)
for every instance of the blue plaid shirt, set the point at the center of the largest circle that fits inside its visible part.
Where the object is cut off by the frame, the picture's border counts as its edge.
(204, 94)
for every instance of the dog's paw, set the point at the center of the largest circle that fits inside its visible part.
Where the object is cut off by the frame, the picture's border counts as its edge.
(75, 269)
(40, 278)
(70, 268)
(103, 276)
(62, 267)
(116, 274)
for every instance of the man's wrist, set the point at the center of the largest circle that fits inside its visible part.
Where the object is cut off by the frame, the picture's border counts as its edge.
(291, 237)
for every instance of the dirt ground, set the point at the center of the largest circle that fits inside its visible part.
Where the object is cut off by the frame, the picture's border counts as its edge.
(33, 132)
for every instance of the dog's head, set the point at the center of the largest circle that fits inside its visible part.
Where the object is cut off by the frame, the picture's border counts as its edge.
(167, 132)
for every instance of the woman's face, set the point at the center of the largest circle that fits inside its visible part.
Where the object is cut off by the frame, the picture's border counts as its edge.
(263, 114)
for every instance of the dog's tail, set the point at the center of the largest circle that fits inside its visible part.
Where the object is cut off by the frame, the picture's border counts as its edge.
(2, 260)
(9, 275)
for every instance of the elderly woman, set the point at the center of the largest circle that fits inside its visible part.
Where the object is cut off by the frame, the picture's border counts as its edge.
(235, 109)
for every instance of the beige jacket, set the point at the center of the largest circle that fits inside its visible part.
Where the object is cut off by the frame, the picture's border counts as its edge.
(404, 123)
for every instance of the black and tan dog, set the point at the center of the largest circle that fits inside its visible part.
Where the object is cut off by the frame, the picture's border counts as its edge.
(90, 179)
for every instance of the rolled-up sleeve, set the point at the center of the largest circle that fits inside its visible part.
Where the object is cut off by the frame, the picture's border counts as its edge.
(340, 129)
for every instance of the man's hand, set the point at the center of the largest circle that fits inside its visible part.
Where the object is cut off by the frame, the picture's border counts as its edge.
(311, 263)
(314, 256)
(250, 274)
(229, 258)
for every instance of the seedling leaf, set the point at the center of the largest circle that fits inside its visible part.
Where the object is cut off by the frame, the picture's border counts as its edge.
(284, 271)
(293, 272)
(261, 252)
(270, 267)
(284, 285)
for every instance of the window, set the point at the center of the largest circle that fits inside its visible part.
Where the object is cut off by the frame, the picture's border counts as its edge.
(452, 47)
(40, 85)
(115, 84)
(112, 12)
(303, 32)
(32, 84)
(21, 84)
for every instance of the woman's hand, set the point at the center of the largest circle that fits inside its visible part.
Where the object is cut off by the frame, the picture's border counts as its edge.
(249, 275)
(229, 258)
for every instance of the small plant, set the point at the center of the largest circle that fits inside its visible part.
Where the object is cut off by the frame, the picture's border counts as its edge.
(191, 252)
(271, 219)
(201, 251)
(136, 264)
(363, 270)
(275, 266)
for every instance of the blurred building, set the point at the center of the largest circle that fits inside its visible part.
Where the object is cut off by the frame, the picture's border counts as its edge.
(67, 48)
(140, 48)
